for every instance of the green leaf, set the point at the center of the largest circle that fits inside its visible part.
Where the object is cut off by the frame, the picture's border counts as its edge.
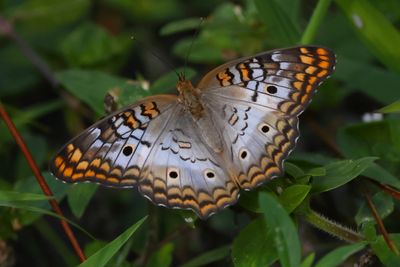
(384, 253)
(92, 86)
(253, 246)
(392, 108)
(101, 257)
(162, 257)
(340, 172)
(381, 139)
(292, 196)
(180, 26)
(378, 34)
(13, 196)
(30, 208)
(79, 196)
(381, 175)
(90, 45)
(339, 255)
(279, 23)
(384, 206)
(209, 257)
(308, 261)
(285, 236)
(293, 170)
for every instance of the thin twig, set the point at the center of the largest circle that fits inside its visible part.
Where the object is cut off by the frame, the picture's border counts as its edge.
(41, 181)
(381, 226)
(7, 29)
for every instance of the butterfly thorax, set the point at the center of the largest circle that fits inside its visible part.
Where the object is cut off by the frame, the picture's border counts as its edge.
(189, 96)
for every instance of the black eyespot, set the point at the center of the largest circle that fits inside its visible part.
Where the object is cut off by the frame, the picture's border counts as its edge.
(127, 150)
(265, 129)
(210, 174)
(243, 155)
(272, 89)
(173, 174)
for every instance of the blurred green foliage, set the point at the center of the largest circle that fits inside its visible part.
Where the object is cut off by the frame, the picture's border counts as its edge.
(130, 48)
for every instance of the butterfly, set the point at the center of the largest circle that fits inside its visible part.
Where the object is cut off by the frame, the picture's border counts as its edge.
(198, 149)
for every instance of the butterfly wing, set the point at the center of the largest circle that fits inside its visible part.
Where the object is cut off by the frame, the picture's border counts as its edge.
(153, 145)
(257, 100)
(112, 151)
(183, 172)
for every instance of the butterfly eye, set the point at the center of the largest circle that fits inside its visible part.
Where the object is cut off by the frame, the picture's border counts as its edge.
(173, 173)
(243, 153)
(264, 128)
(128, 149)
(272, 89)
(209, 174)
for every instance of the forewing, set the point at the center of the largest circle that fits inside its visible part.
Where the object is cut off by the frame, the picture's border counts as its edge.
(112, 151)
(283, 80)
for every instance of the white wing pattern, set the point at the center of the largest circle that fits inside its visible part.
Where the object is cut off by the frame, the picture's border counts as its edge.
(169, 147)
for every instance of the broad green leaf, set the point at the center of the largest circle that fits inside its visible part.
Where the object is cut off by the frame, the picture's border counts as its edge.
(392, 108)
(384, 253)
(293, 170)
(19, 196)
(180, 26)
(339, 255)
(92, 86)
(378, 34)
(340, 172)
(284, 232)
(293, 195)
(79, 196)
(165, 83)
(162, 257)
(101, 257)
(279, 23)
(384, 206)
(308, 261)
(253, 246)
(91, 45)
(381, 175)
(209, 257)
(318, 171)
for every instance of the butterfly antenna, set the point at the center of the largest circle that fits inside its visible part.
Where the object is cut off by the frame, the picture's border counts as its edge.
(161, 59)
(190, 47)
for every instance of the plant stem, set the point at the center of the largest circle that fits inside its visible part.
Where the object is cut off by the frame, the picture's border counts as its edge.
(329, 226)
(315, 21)
(41, 181)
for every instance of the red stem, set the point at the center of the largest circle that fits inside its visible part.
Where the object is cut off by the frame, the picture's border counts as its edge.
(381, 226)
(42, 183)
